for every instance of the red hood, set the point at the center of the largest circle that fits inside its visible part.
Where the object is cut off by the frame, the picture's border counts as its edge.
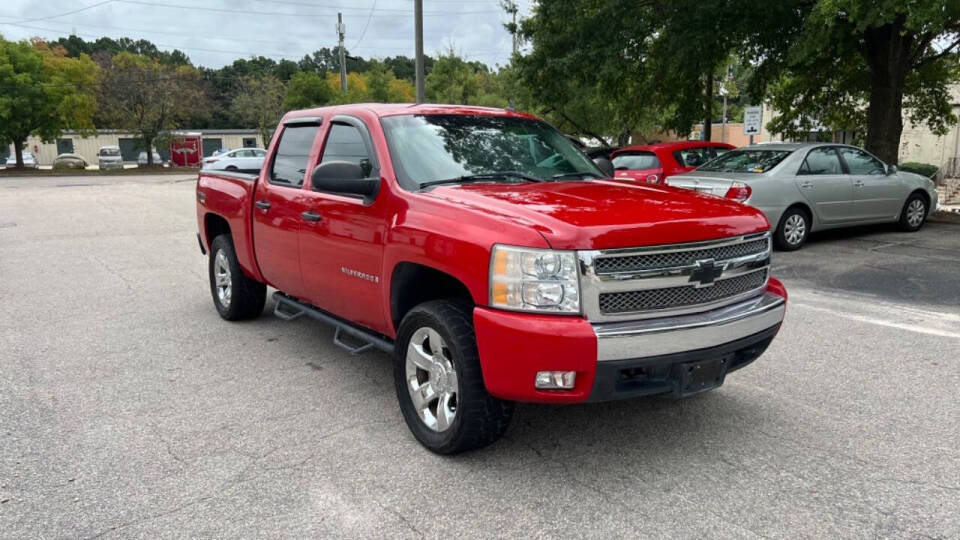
(610, 214)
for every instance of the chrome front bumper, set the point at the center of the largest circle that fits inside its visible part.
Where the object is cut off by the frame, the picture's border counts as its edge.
(669, 335)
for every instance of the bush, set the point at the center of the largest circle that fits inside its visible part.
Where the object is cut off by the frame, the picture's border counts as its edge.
(923, 169)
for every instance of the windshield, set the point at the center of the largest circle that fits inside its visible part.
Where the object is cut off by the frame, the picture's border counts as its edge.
(746, 161)
(435, 147)
(109, 151)
(636, 161)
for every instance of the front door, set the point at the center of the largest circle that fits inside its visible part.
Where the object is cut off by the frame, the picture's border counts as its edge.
(341, 246)
(278, 204)
(826, 187)
(877, 194)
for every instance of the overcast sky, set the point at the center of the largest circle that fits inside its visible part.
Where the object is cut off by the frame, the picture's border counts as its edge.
(216, 32)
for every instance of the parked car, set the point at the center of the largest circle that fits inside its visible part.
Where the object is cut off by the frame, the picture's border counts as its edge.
(109, 157)
(70, 161)
(29, 161)
(241, 159)
(805, 187)
(492, 274)
(652, 163)
(142, 159)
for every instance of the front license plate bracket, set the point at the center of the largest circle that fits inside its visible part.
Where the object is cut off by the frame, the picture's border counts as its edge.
(702, 375)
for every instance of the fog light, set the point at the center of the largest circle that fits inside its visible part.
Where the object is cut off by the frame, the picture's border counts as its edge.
(555, 380)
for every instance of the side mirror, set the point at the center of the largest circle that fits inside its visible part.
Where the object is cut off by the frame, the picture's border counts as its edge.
(345, 178)
(891, 170)
(606, 166)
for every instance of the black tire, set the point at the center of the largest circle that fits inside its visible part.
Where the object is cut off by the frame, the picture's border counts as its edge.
(783, 238)
(908, 220)
(230, 168)
(247, 296)
(480, 418)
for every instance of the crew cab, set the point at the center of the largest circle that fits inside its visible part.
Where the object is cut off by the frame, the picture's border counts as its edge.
(492, 259)
(654, 163)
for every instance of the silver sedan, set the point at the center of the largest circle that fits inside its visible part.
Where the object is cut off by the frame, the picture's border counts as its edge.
(804, 187)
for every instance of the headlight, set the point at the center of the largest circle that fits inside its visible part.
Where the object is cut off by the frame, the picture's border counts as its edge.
(527, 279)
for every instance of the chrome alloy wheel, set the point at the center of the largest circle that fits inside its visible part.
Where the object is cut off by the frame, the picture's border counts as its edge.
(794, 229)
(221, 275)
(432, 379)
(915, 213)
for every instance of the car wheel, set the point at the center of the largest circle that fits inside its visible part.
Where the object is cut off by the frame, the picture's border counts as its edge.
(235, 296)
(231, 168)
(439, 381)
(914, 213)
(793, 229)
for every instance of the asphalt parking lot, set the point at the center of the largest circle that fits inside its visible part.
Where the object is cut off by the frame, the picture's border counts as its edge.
(130, 409)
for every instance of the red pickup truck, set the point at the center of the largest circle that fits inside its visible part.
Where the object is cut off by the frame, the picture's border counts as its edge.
(493, 259)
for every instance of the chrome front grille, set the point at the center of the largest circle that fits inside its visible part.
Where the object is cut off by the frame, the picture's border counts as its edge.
(674, 297)
(660, 281)
(633, 263)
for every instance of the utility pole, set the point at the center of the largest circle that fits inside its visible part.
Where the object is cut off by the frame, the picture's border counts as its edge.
(510, 6)
(341, 31)
(418, 37)
(725, 91)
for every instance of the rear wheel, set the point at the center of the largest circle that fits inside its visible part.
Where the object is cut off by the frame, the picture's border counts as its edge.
(793, 229)
(914, 213)
(235, 296)
(439, 381)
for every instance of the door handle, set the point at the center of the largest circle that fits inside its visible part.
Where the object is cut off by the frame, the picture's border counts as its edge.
(310, 216)
(263, 205)
(858, 184)
(807, 185)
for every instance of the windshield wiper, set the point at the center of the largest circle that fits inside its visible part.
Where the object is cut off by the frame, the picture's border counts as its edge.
(563, 176)
(482, 177)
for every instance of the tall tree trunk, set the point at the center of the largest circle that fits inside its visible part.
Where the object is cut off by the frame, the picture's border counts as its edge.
(148, 143)
(18, 151)
(708, 108)
(888, 54)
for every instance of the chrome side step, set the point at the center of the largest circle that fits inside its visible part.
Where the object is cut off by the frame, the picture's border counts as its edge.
(288, 309)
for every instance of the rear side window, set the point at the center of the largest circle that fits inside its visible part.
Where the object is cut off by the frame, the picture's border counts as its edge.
(345, 143)
(290, 163)
(822, 161)
(694, 157)
(636, 161)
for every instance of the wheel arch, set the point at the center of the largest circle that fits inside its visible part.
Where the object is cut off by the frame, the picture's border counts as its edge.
(412, 284)
(806, 210)
(214, 225)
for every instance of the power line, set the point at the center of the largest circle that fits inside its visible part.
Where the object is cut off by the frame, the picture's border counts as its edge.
(300, 15)
(66, 13)
(310, 4)
(369, 17)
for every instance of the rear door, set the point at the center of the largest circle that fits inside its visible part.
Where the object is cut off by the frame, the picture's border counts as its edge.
(279, 201)
(876, 194)
(341, 249)
(826, 186)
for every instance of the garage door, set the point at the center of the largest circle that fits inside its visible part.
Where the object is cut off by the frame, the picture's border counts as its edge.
(210, 146)
(130, 149)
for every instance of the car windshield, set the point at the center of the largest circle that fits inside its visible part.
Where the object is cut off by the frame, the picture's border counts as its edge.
(109, 151)
(438, 147)
(746, 161)
(636, 161)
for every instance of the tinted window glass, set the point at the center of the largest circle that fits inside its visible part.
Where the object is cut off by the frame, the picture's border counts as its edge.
(636, 161)
(822, 161)
(345, 143)
(427, 148)
(751, 161)
(290, 162)
(860, 162)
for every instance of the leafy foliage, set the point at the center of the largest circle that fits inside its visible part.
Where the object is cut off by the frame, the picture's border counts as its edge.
(923, 169)
(258, 103)
(43, 92)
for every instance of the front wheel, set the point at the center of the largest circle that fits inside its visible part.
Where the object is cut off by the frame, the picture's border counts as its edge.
(235, 296)
(793, 230)
(439, 381)
(914, 213)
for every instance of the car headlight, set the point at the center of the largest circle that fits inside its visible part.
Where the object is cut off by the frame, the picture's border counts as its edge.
(528, 279)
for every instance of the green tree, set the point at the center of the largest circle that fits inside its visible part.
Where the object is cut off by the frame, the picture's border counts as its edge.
(306, 89)
(149, 97)
(858, 63)
(452, 80)
(44, 92)
(259, 104)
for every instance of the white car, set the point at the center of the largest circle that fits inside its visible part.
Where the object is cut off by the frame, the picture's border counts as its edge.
(142, 159)
(241, 159)
(109, 157)
(29, 161)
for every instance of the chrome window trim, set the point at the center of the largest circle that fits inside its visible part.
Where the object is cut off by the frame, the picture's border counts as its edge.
(592, 284)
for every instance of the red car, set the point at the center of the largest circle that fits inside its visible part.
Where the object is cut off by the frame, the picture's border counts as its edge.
(492, 259)
(653, 163)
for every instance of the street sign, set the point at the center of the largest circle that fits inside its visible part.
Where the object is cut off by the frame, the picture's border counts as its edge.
(752, 120)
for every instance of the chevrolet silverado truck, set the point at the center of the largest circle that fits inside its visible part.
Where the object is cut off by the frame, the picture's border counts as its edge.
(495, 261)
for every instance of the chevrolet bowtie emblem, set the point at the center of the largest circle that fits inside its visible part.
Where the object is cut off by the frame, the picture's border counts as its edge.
(706, 272)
